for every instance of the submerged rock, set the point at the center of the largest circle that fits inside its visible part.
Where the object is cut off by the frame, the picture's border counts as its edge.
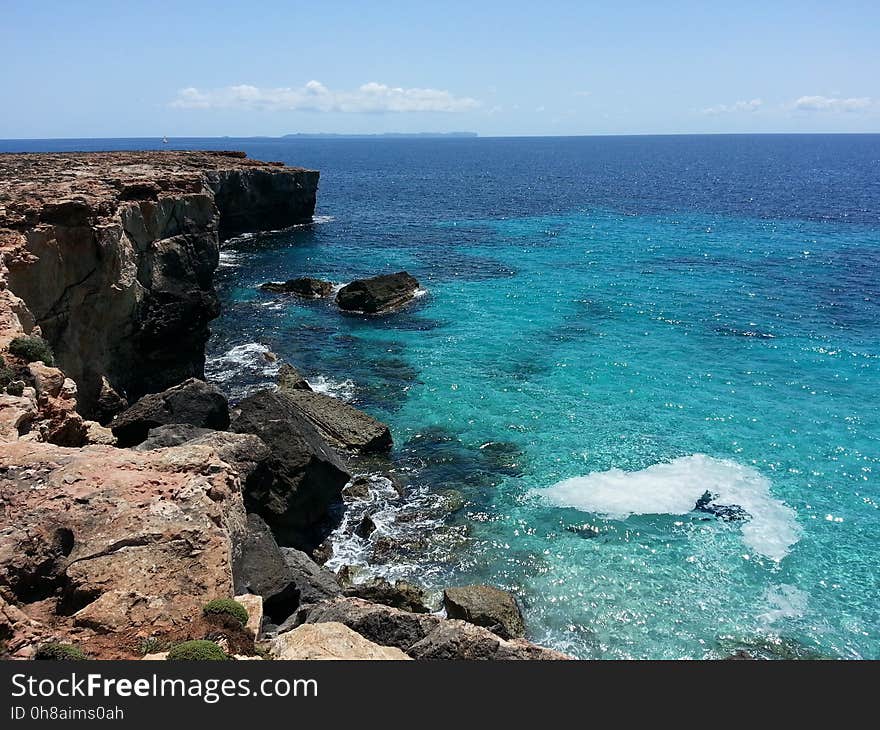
(727, 512)
(485, 606)
(378, 294)
(343, 426)
(193, 402)
(330, 641)
(304, 287)
(305, 475)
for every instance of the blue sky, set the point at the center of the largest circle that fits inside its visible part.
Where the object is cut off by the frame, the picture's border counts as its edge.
(116, 69)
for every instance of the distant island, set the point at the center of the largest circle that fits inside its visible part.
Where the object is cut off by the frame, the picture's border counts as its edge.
(405, 135)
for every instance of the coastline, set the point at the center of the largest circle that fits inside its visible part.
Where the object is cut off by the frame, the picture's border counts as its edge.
(124, 472)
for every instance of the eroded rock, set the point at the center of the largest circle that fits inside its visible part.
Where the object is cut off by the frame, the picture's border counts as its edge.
(486, 606)
(378, 294)
(330, 641)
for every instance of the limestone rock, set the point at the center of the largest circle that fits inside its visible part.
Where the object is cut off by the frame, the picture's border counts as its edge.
(97, 434)
(401, 594)
(454, 639)
(48, 381)
(330, 641)
(254, 606)
(174, 434)
(485, 606)
(289, 379)
(193, 402)
(315, 582)
(378, 294)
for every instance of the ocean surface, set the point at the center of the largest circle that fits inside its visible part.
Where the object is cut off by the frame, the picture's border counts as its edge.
(610, 328)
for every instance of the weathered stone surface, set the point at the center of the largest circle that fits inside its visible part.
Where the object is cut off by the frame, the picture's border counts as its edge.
(107, 540)
(305, 286)
(113, 255)
(173, 434)
(48, 381)
(378, 294)
(289, 379)
(343, 426)
(193, 402)
(306, 474)
(401, 594)
(254, 606)
(329, 641)
(425, 636)
(97, 434)
(485, 606)
(315, 583)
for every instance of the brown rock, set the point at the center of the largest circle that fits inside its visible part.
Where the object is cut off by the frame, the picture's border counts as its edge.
(378, 294)
(485, 606)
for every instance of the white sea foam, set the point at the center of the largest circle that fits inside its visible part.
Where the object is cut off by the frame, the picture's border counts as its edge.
(342, 389)
(252, 357)
(674, 488)
(784, 601)
(229, 257)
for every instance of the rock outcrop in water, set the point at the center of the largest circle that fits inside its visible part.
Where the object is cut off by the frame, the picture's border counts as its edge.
(378, 294)
(306, 287)
(112, 255)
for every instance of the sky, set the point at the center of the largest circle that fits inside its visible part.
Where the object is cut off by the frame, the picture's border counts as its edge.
(499, 68)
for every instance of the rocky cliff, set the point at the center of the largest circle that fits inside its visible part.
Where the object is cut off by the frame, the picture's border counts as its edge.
(112, 256)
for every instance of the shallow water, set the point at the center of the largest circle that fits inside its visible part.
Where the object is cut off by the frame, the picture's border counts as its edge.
(612, 327)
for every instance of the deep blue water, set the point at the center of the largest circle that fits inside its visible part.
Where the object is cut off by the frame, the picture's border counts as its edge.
(611, 327)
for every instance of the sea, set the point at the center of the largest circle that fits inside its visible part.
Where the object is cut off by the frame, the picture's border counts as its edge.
(639, 387)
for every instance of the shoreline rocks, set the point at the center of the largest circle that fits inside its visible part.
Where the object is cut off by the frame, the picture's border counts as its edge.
(486, 606)
(378, 294)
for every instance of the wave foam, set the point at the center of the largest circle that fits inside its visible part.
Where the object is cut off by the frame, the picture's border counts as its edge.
(342, 389)
(674, 488)
(252, 357)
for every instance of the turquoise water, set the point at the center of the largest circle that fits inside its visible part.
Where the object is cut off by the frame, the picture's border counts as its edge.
(596, 341)
(611, 327)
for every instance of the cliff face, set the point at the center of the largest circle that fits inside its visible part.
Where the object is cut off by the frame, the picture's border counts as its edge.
(112, 255)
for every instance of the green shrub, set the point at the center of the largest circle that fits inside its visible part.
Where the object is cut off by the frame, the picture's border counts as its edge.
(226, 607)
(199, 650)
(7, 375)
(31, 349)
(56, 652)
(153, 645)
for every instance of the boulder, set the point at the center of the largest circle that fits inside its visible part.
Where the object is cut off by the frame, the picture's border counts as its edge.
(343, 426)
(259, 568)
(304, 475)
(401, 594)
(485, 606)
(173, 434)
(109, 403)
(97, 434)
(48, 381)
(304, 286)
(378, 294)
(289, 379)
(315, 583)
(365, 527)
(330, 641)
(425, 636)
(357, 489)
(193, 402)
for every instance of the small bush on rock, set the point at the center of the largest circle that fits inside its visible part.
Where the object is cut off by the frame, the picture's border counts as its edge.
(6, 375)
(199, 650)
(56, 652)
(31, 349)
(226, 607)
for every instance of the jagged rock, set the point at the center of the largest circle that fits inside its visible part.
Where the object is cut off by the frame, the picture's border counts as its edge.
(306, 474)
(365, 527)
(112, 540)
(485, 606)
(727, 512)
(173, 434)
(289, 379)
(109, 403)
(315, 583)
(378, 294)
(425, 636)
(401, 594)
(329, 641)
(357, 488)
(113, 254)
(343, 426)
(253, 604)
(304, 287)
(193, 402)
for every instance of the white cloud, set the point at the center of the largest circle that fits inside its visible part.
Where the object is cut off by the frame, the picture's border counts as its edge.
(314, 96)
(740, 106)
(832, 104)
